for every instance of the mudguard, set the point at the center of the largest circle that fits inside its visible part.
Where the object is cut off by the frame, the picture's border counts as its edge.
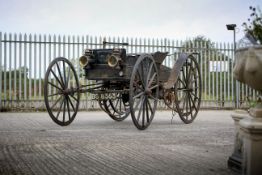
(175, 71)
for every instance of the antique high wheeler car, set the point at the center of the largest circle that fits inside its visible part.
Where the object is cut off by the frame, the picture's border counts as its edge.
(124, 83)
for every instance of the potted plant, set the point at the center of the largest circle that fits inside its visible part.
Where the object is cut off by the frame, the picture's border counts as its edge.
(248, 59)
(253, 28)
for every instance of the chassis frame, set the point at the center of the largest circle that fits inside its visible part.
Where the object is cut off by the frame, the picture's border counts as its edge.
(127, 84)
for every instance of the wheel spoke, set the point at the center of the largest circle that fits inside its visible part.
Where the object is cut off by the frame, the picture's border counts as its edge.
(64, 71)
(182, 83)
(154, 87)
(64, 110)
(59, 71)
(194, 95)
(55, 94)
(151, 96)
(138, 103)
(68, 109)
(184, 102)
(116, 105)
(183, 73)
(139, 112)
(189, 103)
(56, 102)
(73, 97)
(141, 80)
(143, 115)
(67, 81)
(52, 84)
(138, 95)
(194, 105)
(57, 115)
(188, 76)
(120, 105)
(149, 71)
(108, 105)
(141, 88)
(151, 80)
(71, 104)
(111, 105)
(142, 73)
(147, 115)
(57, 79)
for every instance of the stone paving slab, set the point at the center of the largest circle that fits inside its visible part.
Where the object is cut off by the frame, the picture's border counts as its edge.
(30, 143)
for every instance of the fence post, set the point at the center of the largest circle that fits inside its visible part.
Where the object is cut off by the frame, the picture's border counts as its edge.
(1, 70)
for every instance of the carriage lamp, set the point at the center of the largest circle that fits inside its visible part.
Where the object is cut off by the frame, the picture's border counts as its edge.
(83, 60)
(114, 59)
(86, 58)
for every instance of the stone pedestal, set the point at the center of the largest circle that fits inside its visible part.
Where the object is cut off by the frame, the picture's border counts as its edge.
(235, 160)
(251, 128)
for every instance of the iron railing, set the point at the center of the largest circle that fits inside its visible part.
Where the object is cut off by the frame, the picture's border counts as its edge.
(24, 60)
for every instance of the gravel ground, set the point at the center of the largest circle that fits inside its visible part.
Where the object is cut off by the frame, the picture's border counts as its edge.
(30, 143)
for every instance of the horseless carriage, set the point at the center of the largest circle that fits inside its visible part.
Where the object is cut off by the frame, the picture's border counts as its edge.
(124, 84)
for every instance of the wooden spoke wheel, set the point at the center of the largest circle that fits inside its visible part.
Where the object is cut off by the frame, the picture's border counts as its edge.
(188, 90)
(61, 91)
(144, 91)
(117, 109)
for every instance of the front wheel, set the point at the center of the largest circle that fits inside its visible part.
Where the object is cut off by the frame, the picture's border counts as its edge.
(61, 91)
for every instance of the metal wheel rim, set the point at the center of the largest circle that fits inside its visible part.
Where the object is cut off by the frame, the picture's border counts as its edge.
(61, 103)
(144, 79)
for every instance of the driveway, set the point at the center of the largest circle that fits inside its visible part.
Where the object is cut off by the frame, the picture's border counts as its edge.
(31, 143)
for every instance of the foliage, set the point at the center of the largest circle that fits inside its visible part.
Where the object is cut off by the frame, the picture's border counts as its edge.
(253, 27)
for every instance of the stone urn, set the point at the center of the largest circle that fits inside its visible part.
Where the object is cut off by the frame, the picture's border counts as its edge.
(248, 70)
(248, 66)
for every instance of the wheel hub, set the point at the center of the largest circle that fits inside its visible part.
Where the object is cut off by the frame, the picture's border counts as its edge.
(148, 91)
(68, 91)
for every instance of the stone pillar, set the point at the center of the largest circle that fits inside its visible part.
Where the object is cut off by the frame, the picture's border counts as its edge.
(235, 160)
(251, 129)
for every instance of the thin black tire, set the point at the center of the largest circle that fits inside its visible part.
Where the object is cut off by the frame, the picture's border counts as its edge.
(61, 91)
(144, 91)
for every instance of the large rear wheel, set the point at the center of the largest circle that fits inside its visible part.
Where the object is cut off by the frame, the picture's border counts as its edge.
(144, 91)
(188, 90)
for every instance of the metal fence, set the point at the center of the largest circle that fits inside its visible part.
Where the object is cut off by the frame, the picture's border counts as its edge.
(24, 59)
